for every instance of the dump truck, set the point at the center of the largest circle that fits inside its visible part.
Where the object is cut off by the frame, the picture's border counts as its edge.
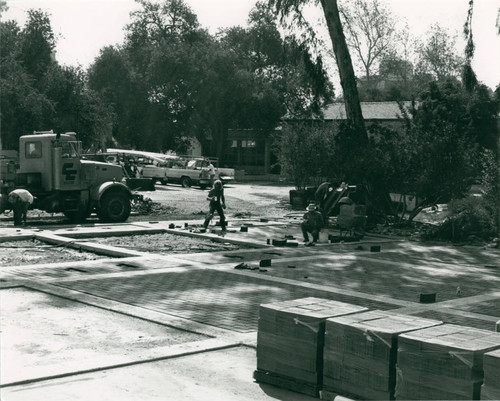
(50, 166)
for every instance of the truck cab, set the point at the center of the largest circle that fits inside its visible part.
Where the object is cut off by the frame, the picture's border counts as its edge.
(51, 168)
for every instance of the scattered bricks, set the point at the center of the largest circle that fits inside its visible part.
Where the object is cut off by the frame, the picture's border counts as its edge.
(427, 297)
(443, 362)
(153, 222)
(264, 220)
(291, 266)
(498, 326)
(268, 241)
(290, 342)
(375, 248)
(490, 390)
(186, 225)
(279, 242)
(361, 352)
(244, 229)
(289, 237)
(171, 225)
(292, 244)
(265, 263)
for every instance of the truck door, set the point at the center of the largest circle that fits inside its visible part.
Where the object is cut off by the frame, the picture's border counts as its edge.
(67, 168)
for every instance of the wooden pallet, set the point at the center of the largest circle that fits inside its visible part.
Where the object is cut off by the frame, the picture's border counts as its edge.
(285, 382)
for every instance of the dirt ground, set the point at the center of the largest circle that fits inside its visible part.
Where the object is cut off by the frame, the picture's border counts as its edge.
(168, 202)
(242, 200)
(172, 202)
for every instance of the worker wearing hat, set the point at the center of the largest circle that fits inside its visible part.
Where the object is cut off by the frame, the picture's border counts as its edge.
(312, 223)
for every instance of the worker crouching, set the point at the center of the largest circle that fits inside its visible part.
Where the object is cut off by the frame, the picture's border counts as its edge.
(313, 223)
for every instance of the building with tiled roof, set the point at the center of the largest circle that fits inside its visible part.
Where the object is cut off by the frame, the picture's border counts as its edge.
(250, 150)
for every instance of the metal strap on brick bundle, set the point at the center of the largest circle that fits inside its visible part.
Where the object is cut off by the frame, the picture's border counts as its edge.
(369, 333)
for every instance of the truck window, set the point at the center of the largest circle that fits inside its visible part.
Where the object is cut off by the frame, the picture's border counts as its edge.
(33, 150)
(69, 149)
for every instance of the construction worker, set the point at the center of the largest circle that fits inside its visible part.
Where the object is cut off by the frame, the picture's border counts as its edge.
(211, 171)
(21, 200)
(313, 223)
(217, 203)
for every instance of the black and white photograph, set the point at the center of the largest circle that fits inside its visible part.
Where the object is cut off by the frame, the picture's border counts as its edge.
(249, 200)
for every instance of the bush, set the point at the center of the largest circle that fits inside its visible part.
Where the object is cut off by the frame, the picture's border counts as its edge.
(305, 152)
(472, 218)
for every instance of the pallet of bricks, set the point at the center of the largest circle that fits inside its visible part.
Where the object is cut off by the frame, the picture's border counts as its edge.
(445, 363)
(360, 353)
(290, 342)
(490, 390)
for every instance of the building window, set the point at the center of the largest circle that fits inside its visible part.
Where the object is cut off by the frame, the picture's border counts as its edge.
(248, 144)
(33, 150)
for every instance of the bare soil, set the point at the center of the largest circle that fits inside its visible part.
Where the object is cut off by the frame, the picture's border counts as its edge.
(166, 203)
(18, 253)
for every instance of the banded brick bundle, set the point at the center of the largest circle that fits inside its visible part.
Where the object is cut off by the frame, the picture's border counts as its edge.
(290, 342)
(443, 362)
(361, 350)
(490, 390)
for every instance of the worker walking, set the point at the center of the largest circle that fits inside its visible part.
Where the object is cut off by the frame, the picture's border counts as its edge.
(217, 203)
(21, 200)
(313, 223)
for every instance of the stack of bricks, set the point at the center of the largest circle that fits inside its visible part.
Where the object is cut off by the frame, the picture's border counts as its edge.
(360, 353)
(443, 363)
(290, 342)
(490, 390)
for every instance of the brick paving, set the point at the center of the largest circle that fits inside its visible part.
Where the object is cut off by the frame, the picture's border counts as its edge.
(206, 296)
(209, 291)
(448, 317)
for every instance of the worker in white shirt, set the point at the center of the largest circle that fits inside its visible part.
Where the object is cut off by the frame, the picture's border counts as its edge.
(21, 200)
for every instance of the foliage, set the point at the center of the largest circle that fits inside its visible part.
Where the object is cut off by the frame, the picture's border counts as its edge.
(370, 32)
(437, 55)
(294, 10)
(172, 80)
(305, 151)
(38, 94)
(471, 218)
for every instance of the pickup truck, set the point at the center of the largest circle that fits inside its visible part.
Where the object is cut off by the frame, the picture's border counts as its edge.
(196, 171)
(189, 172)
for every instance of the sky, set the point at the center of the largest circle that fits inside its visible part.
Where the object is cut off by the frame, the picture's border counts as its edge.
(83, 27)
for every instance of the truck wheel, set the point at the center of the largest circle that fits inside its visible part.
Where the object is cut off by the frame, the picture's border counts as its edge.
(114, 208)
(186, 182)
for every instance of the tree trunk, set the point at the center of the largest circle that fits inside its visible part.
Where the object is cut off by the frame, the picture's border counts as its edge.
(346, 71)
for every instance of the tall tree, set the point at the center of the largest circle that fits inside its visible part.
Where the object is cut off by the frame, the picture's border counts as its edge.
(438, 56)
(370, 31)
(38, 44)
(348, 82)
(36, 93)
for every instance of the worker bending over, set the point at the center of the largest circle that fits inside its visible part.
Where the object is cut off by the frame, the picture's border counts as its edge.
(21, 200)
